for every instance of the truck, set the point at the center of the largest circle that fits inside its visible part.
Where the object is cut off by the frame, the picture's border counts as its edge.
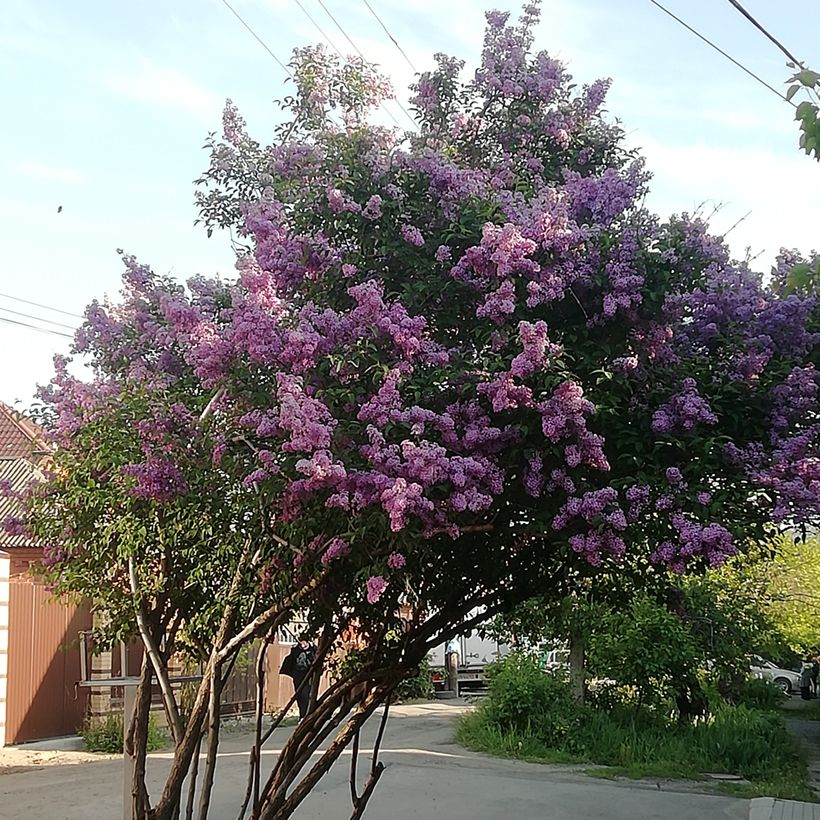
(475, 653)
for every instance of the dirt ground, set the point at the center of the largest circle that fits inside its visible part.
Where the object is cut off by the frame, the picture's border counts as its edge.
(14, 760)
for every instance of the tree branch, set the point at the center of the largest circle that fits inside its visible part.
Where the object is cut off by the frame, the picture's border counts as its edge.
(152, 650)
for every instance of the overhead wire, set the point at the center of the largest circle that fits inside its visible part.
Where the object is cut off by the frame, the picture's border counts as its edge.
(40, 305)
(719, 50)
(36, 318)
(765, 32)
(257, 38)
(318, 27)
(338, 51)
(34, 327)
(359, 52)
(395, 41)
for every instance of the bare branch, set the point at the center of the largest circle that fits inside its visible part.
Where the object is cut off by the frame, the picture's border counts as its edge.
(209, 408)
(152, 650)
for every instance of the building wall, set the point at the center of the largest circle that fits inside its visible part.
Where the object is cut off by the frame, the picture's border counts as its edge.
(4, 641)
(43, 663)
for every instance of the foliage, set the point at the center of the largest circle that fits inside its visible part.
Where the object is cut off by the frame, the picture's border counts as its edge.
(749, 742)
(104, 734)
(644, 646)
(808, 82)
(520, 690)
(778, 583)
(758, 693)
(456, 369)
(792, 589)
(417, 687)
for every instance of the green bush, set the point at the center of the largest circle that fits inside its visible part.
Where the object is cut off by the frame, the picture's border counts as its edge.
(757, 693)
(529, 714)
(527, 701)
(105, 734)
(418, 687)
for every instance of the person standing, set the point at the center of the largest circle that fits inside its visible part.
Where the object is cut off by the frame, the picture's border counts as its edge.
(805, 679)
(296, 666)
(815, 671)
(452, 651)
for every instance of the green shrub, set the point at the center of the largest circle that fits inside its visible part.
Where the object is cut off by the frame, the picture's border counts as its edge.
(105, 734)
(757, 693)
(418, 687)
(529, 714)
(526, 700)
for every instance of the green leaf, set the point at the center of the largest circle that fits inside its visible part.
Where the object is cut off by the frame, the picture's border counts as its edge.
(807, 77)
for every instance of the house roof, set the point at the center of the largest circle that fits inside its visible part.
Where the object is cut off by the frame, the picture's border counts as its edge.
(20, 437)
(23, 448)
(19, 473)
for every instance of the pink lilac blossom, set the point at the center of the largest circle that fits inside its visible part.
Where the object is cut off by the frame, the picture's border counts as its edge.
(396, 560)
(156, 480)
(336, 548)
(537, 348)
(373, 208)
(563, 418)
(684, 411)
(412, 235)
(376, 586)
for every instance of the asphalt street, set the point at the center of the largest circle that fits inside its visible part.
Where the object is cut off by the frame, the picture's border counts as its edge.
(427, 776)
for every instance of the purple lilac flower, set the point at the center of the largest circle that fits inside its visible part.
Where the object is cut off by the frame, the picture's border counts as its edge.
(396, 560)
(413, 235)
(336, 548)
(375, 588)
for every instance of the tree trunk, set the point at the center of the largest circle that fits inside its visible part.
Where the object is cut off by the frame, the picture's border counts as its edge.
(577, 659)
(137, 742)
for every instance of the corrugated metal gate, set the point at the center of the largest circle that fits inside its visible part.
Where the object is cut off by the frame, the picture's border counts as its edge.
(43, 663)
(239, 694)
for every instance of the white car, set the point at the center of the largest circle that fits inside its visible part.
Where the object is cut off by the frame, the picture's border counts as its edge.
(787, 679)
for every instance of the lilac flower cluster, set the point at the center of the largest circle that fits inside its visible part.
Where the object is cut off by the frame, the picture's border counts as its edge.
(156, 480)
(684, 411)
(564, 418)
(376, 586)
(712, 543)
(336, 548)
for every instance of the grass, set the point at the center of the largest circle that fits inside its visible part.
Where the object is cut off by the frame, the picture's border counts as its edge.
(640, 771)
(105, 735)
(749, 743)
(784, 787)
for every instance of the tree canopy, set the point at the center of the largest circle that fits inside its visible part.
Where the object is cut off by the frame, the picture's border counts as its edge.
(456, 367)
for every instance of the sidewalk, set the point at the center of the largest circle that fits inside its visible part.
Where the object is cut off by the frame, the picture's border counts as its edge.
(767, 808)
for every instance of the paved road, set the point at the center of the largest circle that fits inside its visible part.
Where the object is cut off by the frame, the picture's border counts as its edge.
(427, 776)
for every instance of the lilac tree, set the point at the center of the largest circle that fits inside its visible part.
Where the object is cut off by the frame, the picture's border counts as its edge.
(457, 368)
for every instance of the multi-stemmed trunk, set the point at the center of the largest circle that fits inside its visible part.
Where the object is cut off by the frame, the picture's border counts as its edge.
(333, 723)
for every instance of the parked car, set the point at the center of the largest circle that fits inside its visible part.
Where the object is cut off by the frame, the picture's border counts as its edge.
(787, 679)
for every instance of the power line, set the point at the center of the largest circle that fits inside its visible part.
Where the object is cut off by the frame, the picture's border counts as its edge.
(39, 305)
(318, 27)
(336, 49)
(257, 38)
(395, 41)
(719, 50)
(34, 327)
(771, 37)
(359, 52)
(36, 318)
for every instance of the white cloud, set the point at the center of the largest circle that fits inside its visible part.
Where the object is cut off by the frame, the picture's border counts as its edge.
(51, 173)
(780, 191)
(167, 87)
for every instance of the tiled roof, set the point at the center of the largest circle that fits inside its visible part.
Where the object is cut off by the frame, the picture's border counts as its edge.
(20, 437)
(19, 473)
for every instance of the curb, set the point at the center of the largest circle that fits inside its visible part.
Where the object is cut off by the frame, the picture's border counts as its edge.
(761, 808)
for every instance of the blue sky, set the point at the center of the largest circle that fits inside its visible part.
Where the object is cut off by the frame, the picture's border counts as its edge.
(107, 105)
